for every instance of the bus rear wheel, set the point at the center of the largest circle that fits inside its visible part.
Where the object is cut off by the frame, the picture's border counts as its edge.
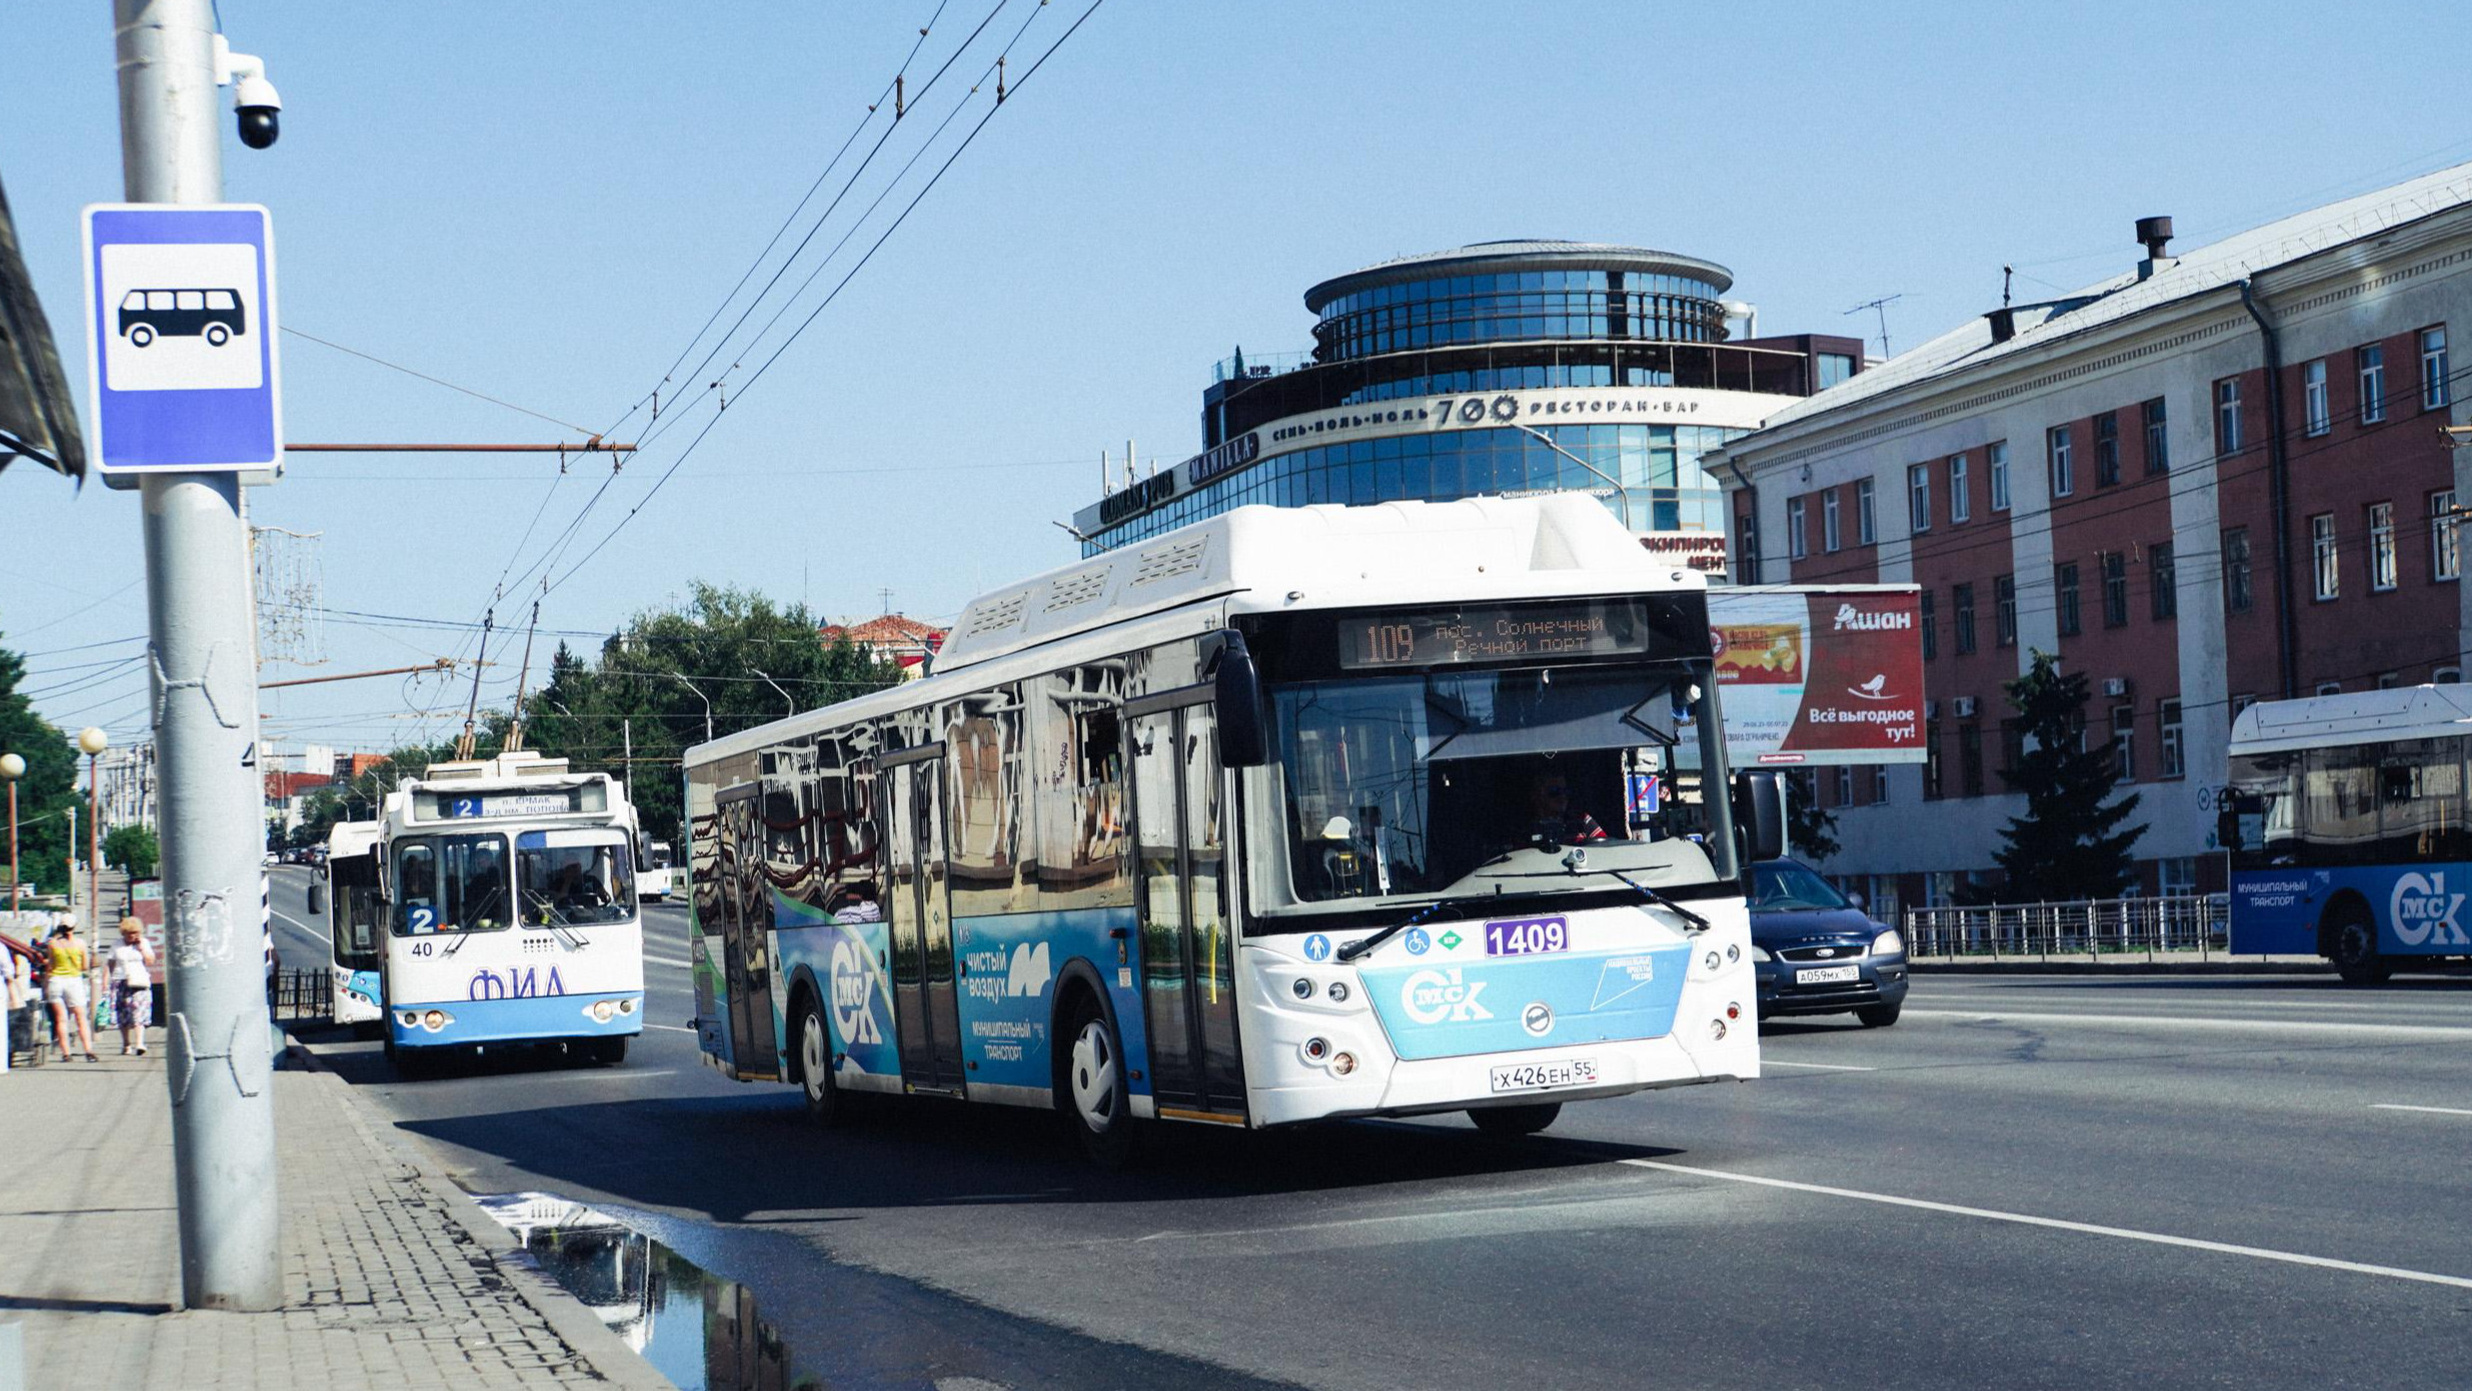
(1091, 1087)
(1510, 1122)
(2352, 944)
(815, 1067)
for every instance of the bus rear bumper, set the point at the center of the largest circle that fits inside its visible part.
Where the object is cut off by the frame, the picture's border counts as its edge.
(533, 1019)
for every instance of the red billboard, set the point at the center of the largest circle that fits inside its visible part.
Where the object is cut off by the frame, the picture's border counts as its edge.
(1813, 675)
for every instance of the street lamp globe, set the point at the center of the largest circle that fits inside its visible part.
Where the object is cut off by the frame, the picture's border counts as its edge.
(93, 740)
(12, 767)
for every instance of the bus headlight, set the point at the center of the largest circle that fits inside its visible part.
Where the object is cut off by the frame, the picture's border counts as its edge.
(1341, 1064)
(1889, 943)
(627, 1005)
(601, 1011)
(1338, 994)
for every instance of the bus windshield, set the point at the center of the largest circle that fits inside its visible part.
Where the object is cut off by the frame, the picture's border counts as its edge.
(574, 878)
(451, 884)
(1454, 782)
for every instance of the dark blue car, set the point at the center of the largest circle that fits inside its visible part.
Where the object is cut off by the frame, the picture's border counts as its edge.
(1818, 953)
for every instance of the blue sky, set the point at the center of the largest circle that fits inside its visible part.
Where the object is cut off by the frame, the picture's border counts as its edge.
(544, 201)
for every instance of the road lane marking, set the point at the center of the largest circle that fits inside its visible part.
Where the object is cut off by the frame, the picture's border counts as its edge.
(2432, 1110)
(2224, 1248)
(329, 941)
(665, 961)
(673, 1028)
(2274, 1026)
(1828, 1067)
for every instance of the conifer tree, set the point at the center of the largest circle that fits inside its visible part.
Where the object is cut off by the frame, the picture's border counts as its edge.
(2069, 844)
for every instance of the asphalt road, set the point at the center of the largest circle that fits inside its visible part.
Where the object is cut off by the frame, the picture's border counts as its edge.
(2028, 1182)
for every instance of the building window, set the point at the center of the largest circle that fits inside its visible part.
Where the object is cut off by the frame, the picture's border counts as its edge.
(2163, 581)
(2175, 876)
(1845, 784)
(2063, 468)
(2064, 599)
(1747, 532)
(2435, 390)
(2124, 741)
(1960, 505)
(2236, 592)
(1835, 368)
(1879, 784)
(2115, 589)
(2328, 576)
(1796, 544)
(2107, 449)
(2240, 703)
(2447, 676)
(1997, 454)
(1931, 761)
(2389, 680)
(2004, 611)
(2381, 545)
(1831, 538)
(1962, 598)
(2313, 398)
(1918, 497)
(2445, 555)
(1931, 628)
(2158, 438)
(2175, 756)
(2330, 688)
(2372, 362)
(1866, 514)
(1970, 759)
(2227, 416)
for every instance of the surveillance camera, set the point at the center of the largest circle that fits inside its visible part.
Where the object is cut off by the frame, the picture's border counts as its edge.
(253, 97)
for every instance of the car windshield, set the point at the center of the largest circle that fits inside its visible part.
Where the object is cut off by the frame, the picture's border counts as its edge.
(1782, 886)
(1446, 782)
(574, 878)
(451, 884)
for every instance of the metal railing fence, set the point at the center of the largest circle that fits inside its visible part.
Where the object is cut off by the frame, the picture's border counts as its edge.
(2090, 929)
(302, 994)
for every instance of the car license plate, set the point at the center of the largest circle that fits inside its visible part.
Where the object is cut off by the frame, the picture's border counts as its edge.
(1538, 1077)
(1822, 975)
(1527, 936)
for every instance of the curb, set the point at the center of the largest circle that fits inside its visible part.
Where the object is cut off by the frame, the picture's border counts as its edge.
(2014, 966)
(621, 1366)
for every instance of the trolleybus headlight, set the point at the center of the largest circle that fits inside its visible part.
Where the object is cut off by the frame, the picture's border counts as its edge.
(1732, 952)
(1716, 1028)
(1341, 1064)
(1713, 961)
(411, 1019)
(1303, 988)
(1338, 993)
(1316, 1049)
(601, 1011)
(627, 1005)
(1889, 943)
(435, 1020)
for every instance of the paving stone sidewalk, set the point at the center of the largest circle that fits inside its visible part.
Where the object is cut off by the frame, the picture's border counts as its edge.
(390, 1275)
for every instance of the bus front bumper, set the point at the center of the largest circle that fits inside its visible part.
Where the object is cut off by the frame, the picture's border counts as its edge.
(533, 1019)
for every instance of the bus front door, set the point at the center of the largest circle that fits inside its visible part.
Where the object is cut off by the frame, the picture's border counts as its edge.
(746, 922)
(1188, 974)
(924, 999)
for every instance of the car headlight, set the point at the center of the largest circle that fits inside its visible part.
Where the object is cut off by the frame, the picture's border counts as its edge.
(1759, 953)
(1889, 943)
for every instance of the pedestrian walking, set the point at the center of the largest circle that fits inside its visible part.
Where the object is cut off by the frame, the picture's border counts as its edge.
(68, 991)
(133, 985)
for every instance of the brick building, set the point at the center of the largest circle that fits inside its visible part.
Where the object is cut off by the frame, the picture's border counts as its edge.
(2217, 477)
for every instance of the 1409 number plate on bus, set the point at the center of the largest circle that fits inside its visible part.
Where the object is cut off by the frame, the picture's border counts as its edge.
(1527, 936)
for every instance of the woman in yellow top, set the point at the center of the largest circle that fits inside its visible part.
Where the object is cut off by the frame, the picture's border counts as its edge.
(66, 989)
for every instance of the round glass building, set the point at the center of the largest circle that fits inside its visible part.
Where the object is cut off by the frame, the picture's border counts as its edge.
(1504, 367)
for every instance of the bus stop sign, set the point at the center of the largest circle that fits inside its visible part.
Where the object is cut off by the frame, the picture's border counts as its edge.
(180, 316)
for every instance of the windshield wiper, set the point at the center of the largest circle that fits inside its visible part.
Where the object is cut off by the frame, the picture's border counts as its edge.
(1359, 947)
(1576, 863)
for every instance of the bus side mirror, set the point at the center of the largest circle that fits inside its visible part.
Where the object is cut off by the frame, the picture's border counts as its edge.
(1759, 810)
(377, 873)
(1244, 735)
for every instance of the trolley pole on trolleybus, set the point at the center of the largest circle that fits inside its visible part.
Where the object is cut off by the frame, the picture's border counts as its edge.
(219, 1053)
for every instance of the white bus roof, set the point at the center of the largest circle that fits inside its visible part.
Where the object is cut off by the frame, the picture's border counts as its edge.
(1280, 559)
(2358, 717)
(352, 837)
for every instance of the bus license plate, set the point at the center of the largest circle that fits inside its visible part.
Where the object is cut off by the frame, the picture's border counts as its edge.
(1538, 1077)
(1823, 975)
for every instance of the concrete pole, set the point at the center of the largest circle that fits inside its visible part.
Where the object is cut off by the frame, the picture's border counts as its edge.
(219, 1054)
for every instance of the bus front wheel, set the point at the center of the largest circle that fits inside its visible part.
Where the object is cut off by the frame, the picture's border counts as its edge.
(1091, 1088)
(2352, 944)
(1513, 1121)
(815, 1067)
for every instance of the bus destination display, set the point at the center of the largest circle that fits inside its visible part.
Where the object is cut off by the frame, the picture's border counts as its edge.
(449, 806)
(1494, 633)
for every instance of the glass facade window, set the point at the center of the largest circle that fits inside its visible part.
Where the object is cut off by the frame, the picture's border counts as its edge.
(1960, 497)
(2057, 452)
(2227, 416)
(1833, 368)
(1510, 306)
(1997, 456)
(1866, 513)
(2372, 366)
(2314, 408)
(2436, 391)
(2445, 553)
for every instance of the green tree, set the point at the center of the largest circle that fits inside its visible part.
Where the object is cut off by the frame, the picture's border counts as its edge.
(2069, 844)
(133, 850)
(319, 811)
(1810, 829)
(47, 794)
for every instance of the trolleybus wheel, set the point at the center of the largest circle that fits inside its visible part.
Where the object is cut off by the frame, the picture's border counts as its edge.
(1091, 1088)
(608, 1052)
(815, 1067)
(2352, 944)
(1508, 1121)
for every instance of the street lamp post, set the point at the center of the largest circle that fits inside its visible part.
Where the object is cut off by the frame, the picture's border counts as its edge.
(94, 741)
(12, 768)
(699, 695)
(785, 695)
(1619, 491)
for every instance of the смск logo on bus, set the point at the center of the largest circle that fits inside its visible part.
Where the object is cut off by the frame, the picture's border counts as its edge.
(853, 1012)
(1431, 997)
(2424, 912)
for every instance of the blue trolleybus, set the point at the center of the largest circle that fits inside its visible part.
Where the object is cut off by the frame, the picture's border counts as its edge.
(1294, 813)
(2345, 818)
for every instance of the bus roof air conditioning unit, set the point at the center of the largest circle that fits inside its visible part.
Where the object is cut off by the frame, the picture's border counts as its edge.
(1964, 707)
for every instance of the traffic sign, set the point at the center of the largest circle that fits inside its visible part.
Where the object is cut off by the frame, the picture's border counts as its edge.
(182, 367)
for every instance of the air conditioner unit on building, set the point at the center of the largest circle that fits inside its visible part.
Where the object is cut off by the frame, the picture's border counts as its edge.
(2117, 687)
(1931, 709)
(1963, 706)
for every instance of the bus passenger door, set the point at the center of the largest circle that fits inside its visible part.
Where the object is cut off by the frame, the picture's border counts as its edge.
(1188, 971)
(921, 923)
(746, 917)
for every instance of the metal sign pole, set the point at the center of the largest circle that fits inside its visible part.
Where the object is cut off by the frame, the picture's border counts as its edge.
(219, 1055)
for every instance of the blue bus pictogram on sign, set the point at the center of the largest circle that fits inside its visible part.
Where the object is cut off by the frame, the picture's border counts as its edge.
(182, 366)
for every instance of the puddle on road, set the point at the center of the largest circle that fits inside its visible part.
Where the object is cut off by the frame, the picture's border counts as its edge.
(699, 1330)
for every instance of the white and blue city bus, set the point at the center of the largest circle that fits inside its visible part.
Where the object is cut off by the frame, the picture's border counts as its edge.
(1294, 813)
(350, 891)
(510, 910)
(2345, 816)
